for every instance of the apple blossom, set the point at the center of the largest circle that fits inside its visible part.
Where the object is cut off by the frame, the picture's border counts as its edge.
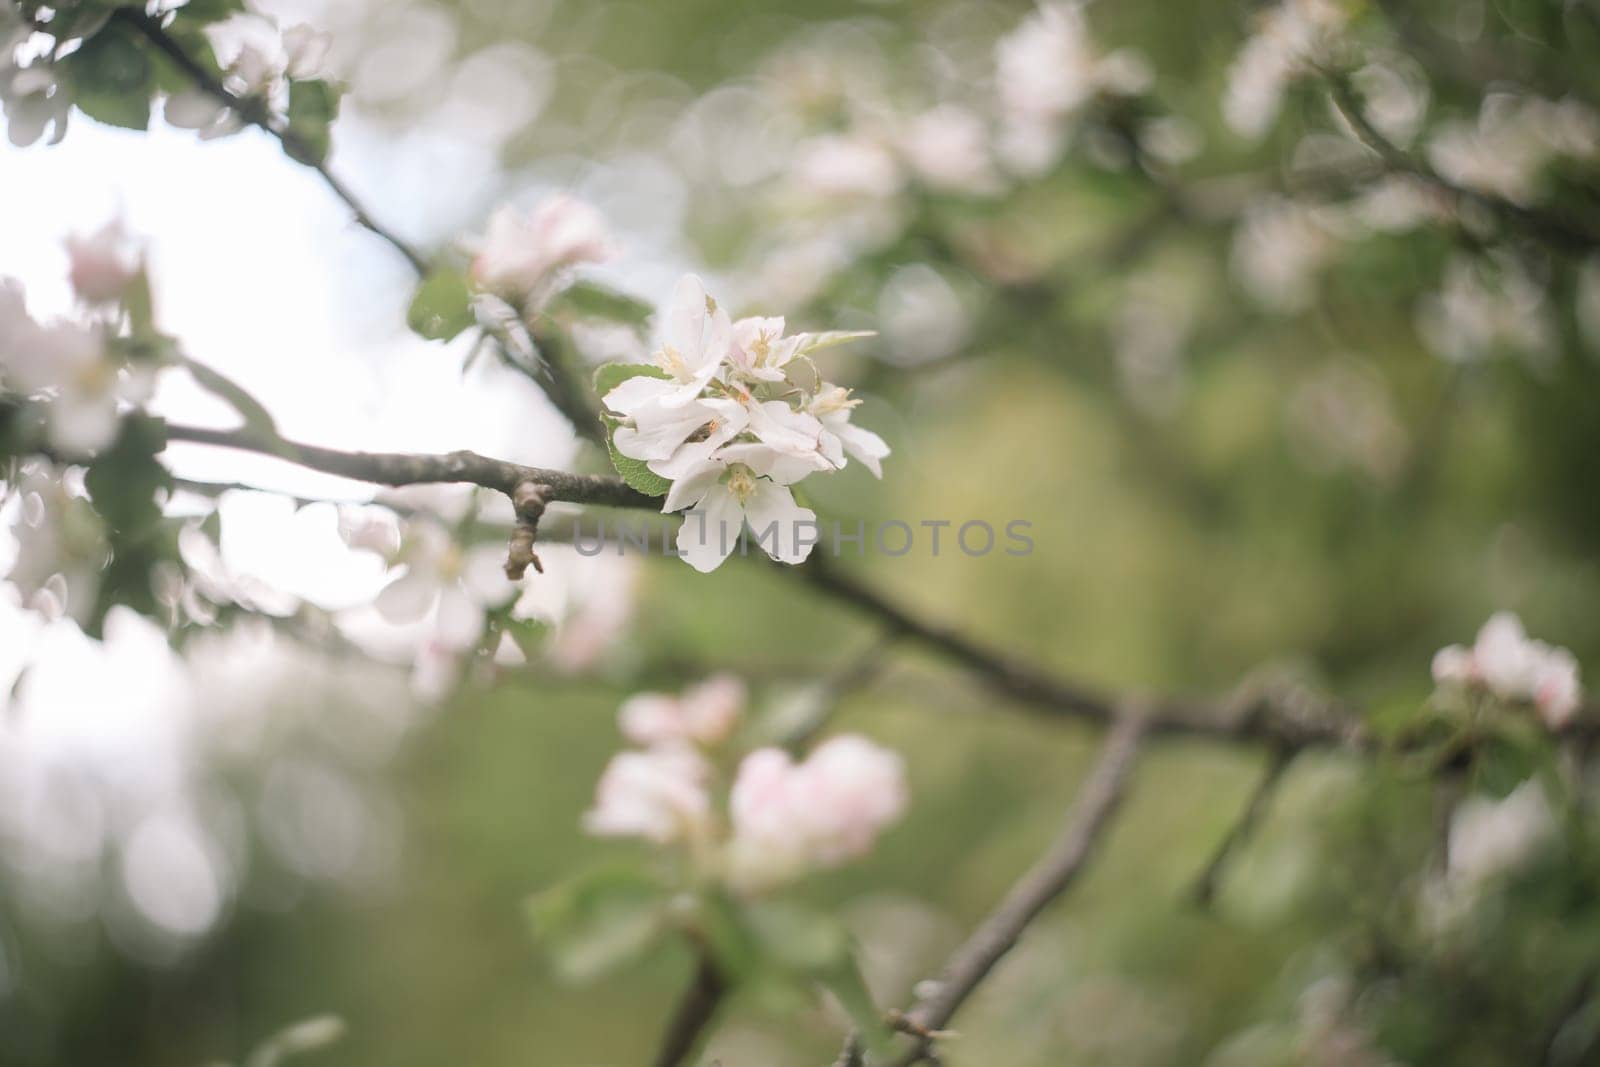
(520, 254)
(659, 795)
(743, 483)
(68, 367)
(705, 714)
(948, 148)
(729, 428)
(820, 812)
(103, 264)
(1288, 38)
(1507, 663)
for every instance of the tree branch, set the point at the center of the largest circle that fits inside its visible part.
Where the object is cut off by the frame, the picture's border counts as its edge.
(256, 114)
(1272, 717)
(1044, 882)
(693, 1014)
(408, 468)
(1204, 891)
(1558, 232)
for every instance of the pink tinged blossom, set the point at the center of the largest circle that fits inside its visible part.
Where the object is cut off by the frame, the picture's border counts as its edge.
(104, 264)
(659, 795)
(705, 714)
(1515, 668)
(520, 253)
(819, 813)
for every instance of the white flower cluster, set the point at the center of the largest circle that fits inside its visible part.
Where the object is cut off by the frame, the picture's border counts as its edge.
(729, 425)
(784, 817)
(34, 99)
(261, 62)
(76, 377)
(1505, 152)
(1512, 667)
(1288, 38)
(1047, 70)
(521, 254)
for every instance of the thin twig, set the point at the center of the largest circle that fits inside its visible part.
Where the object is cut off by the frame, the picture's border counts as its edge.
(256, 114)
(1204, 890)
(528, 500)
(693, 1015)
(1561, 233)
(407, 468)
(1044, 882)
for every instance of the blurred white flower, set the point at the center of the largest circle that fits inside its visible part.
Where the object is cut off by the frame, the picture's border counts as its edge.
(1046, 70)
(659, 795)
(837, 165)
(70, 370)
(948, 149)
(448, 589)
(520, 254)
(1486, 305)
(1287, 37)
(1504, 153)
(824, 811)
(35, 100)
(1492, 837)
(1279, 248)
(305, 52)
(60, 546)
(103, 264)
(705, 714)
(1515, 668)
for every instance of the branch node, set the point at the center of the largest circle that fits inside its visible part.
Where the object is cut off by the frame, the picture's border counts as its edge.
(529, 500)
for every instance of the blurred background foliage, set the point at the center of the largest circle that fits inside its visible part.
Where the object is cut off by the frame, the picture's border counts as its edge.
(1306, 491)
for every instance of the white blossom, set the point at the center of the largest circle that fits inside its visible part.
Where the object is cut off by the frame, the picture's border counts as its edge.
(70, 370)
(741, 484)
(103, 264)
(948, 149)
(60, 545)
(1505, 151)
(520, 254)
(1046, 70)
(659, 795)
(1492, 837)
(1287, 38)
(847, 166)
(1279, 248)
(1484, 306)
(731, 430)
(705, 714)
(1515, 668)
(821, 812)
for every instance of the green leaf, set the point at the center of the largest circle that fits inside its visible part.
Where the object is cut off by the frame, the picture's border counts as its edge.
(598, 921)
(820, 341)
(848, 987)
(112, 79)
(313, 105)
(123, 482)
(814, 945)
(633, 471)
(255, 416)
(591, 300)
(211, 10)
(442, 306)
